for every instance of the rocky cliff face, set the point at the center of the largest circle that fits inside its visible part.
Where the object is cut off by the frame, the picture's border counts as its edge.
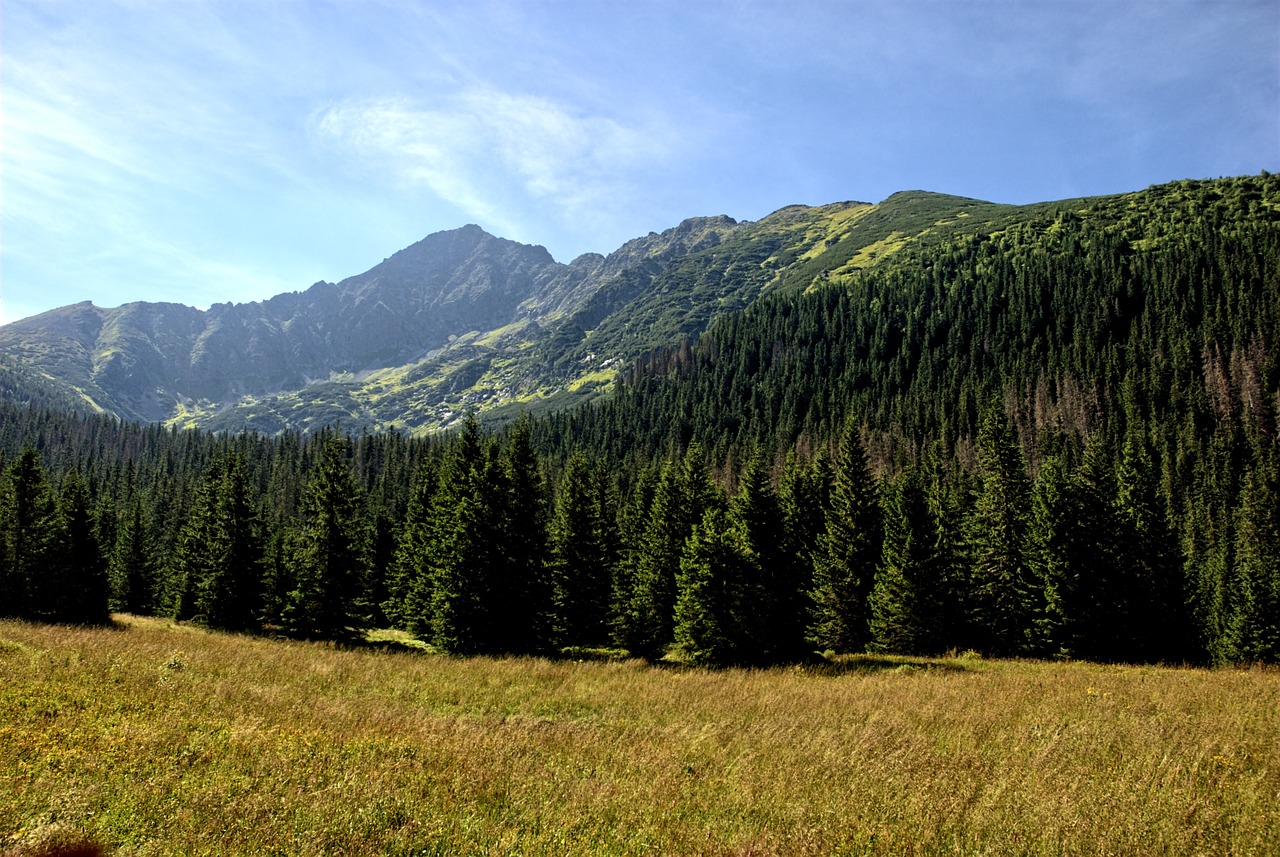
(144, 360)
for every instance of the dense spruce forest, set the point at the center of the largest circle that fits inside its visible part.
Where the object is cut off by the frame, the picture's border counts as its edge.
(1054, 435)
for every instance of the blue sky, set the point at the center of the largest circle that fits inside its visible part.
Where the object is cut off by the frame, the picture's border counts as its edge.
(209, 151)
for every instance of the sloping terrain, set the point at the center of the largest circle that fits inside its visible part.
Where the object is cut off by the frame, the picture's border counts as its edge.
(459, 321)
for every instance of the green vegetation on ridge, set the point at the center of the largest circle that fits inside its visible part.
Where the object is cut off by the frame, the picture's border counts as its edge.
(1069, 434)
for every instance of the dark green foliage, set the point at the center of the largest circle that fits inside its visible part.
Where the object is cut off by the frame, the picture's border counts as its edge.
(683, 495)
(633, 522)
(13, 590)
(1119, 350)
(946, 497)
(1158, 623)
(581, 559)
(408, 602)
(1252, 631)
(330, 551)
(777, 610)
(466, 559)
(33, 577)
(717, 617)
(51, 566)
(906, 602)
(84, 592)
(805, 498)
(218, 563)
(523, 599)
(1106, 588)
(1006, 600)
(133, 572)
(851, 547)
(1057, 554)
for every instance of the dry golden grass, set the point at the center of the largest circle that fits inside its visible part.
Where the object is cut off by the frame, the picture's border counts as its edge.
(155, 739)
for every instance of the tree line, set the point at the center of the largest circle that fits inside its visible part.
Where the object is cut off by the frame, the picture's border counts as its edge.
(494, 551)
(1053, 438)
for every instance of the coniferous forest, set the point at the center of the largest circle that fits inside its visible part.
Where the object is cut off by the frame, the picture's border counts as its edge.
(1053, 436)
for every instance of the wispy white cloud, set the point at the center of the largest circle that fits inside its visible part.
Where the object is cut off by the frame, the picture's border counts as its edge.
(475, 148)
(125, 130)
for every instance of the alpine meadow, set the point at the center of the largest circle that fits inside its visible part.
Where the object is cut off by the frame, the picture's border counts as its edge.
(930, 526)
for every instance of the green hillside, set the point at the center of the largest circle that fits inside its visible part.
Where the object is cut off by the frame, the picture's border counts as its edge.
(460, 322)
(1046, 431)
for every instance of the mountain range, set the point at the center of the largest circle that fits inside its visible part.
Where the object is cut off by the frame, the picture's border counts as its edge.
(461, 321)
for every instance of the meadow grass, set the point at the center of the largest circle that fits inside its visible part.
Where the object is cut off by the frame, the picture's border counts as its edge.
(153, 738)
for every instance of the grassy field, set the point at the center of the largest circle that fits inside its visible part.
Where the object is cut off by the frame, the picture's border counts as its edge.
(161, 739)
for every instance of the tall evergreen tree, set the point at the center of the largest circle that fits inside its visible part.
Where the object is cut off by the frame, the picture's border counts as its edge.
(523, 595)
(467, 555)
(13, 591)
(717, 620)
(1252, 632)
(197, 547)
(228, 594)
(35, 575)
(684, 493)
(633, 519)
(905, 601)
(580, 559)
(944, 497)
(1056, 555)
(777, 607)
(331, 551)
(1101, 613)
(132, 569)
(1160, 623)
(1006, 599)
(805, 498)
(851, 547)
(86, 590)
(408, 602)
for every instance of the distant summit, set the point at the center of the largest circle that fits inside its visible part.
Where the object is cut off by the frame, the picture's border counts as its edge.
(461, 320)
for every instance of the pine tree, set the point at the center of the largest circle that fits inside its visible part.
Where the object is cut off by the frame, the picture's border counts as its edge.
(1149, 562)
(197, 547)
(851, 547)
(13, 591)
(805, 498)
(580, 561)
(950, 586)
(905, 601)
(87, 592)
(523, 594)
(467, 556)
(132, 569)
(331, 550)
(1006, 599)
(757, 513)
(35, 581)
(1207, 540)
(633, 519)
(716, 618)
(683, 494)
(228, 594)
(1056, 555)
(408, 602)
(1100, 612)
(1253, 616)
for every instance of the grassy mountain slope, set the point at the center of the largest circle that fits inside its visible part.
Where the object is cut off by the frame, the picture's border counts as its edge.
(1160, 308)
(465, 321)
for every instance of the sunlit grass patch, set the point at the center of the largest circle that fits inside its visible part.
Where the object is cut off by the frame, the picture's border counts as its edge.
(164, 739)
